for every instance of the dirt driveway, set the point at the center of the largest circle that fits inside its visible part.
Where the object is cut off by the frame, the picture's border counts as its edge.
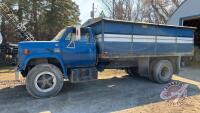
(114, 92)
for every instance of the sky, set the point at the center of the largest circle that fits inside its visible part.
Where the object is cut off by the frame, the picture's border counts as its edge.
(85, 7)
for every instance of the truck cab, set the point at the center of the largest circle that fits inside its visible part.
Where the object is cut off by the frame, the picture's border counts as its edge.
(73, 50)
(77, 47)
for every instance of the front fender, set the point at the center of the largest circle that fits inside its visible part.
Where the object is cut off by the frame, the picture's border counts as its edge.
(22, 65)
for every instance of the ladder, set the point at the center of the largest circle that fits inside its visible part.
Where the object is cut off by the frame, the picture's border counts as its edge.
(10, 17)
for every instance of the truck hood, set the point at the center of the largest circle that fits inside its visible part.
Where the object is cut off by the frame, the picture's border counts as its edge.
(38, 47)
(38, 44)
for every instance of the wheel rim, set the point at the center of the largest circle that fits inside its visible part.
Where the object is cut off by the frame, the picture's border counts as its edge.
(165, 72)
(45, 82)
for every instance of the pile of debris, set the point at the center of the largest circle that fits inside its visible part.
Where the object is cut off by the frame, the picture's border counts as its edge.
(8, 54)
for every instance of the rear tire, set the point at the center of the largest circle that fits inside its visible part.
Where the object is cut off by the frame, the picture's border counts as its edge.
(44, 80)
(163, 71)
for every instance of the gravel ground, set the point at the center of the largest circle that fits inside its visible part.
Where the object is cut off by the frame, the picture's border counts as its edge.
(113, 92)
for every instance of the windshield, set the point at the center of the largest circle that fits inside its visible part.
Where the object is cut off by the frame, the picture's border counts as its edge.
(59, 35)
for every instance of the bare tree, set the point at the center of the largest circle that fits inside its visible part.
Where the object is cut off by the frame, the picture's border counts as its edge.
(122, 10)
(153, 11)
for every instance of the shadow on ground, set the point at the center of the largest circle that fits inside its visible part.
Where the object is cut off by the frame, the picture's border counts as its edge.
(106, 95)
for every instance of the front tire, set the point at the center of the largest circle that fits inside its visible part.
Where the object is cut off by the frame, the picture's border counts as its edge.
(44, 80)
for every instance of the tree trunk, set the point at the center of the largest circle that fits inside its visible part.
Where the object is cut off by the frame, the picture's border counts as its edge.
(35, 19)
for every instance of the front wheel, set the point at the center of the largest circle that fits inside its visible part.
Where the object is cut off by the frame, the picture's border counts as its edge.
(44, 80)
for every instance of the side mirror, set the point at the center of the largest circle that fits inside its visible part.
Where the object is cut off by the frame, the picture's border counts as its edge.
(78, 32)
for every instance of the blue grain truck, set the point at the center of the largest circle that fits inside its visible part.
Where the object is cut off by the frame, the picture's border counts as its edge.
(77, 54)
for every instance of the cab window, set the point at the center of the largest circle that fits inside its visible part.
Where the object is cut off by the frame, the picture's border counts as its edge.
(85, 35)
(71, 35)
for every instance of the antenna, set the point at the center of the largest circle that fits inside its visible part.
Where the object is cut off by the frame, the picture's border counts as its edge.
(20, 27)
(92, 12)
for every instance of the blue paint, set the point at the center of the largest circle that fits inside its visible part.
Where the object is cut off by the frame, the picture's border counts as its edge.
(188, 48)
(83, 55)
(117, 47)
(165, 48)
(112, 27)
(184, 32)
(139, 48)
(38, 50)
(131, 28)
(166, 31)
(120, 27)
(86, 51)
(139, 29)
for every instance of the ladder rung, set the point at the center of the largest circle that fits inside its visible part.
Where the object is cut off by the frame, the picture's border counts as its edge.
(8, 14)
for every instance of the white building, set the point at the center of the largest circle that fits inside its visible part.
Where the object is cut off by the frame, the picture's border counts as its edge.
(188, 10)
(188, 14)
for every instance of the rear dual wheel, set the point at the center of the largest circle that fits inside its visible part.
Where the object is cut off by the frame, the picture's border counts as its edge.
(162, 71)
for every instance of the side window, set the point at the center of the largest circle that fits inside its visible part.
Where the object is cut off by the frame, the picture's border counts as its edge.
(71, 35)
(85, 35)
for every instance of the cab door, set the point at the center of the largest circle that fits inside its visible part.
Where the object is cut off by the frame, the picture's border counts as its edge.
(79, 52)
